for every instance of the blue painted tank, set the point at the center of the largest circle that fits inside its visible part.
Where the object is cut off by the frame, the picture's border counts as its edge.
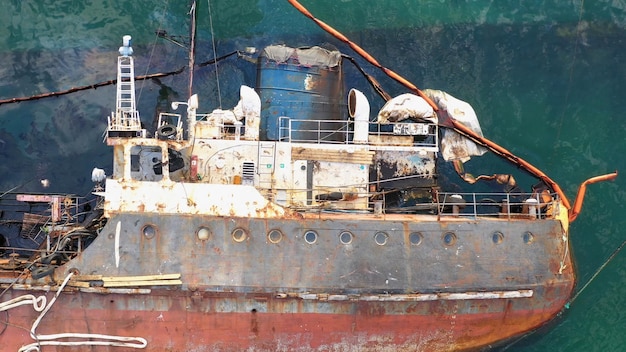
(303, 85)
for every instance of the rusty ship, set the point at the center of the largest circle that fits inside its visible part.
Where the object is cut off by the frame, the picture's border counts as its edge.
(298, 220)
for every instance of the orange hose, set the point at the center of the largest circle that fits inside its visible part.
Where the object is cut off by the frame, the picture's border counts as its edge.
(578, 204)
(459, 127)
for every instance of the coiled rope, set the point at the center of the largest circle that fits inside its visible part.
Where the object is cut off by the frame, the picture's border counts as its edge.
(39, 305)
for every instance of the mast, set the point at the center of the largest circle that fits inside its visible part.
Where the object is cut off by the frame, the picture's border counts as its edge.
(192, 45)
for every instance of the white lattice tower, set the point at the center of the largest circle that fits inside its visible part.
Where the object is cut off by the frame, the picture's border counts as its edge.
(126, 116)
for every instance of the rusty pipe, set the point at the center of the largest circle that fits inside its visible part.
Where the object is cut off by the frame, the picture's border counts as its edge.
(580, 196)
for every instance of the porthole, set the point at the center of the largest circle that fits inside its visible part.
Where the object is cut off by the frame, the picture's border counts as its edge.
(346, 237)
(149, 231)
(239, 235)
(528, 237)
(497, 237)
(416, 238)
(449, 238)
(203, 233)
(274, 236)
(310, 237)
(381, 238)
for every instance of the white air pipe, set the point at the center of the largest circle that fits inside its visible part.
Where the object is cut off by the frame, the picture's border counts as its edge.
(249, 106)
(359, 109)
(530, 206)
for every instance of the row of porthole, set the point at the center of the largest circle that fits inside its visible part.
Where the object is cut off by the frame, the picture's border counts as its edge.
(345, 237)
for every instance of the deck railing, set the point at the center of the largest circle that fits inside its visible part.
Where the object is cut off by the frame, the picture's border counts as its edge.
(503, 205)
(408, 134)
(510, 206)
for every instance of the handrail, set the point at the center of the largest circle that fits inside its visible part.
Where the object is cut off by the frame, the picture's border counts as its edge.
(323, 132)
(124, 121)
(472, 205)
(511, 205)
(444, 119)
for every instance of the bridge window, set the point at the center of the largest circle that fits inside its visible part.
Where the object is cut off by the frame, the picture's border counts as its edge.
(146, 163)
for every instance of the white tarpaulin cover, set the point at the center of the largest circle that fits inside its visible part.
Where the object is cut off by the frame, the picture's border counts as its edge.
(453, 145)
(313, 56)
(406, 106)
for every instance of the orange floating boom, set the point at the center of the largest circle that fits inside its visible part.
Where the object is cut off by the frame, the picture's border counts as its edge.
(462, 129)
(454, 124)
(363, 53)
(580, 196)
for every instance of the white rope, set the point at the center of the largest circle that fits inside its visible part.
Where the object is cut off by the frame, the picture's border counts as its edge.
(565, 254)
(39, 305)
(38, 302)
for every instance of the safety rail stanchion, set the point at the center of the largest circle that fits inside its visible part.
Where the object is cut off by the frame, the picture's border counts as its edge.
(508, 206)
(475, 206)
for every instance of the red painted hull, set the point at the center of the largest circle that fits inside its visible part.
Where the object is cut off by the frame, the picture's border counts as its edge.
(175, 322)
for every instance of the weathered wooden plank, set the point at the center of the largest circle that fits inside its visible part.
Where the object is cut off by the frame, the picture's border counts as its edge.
(391, 140)
(356, 157)
(82, 284)
(125, 278)
(141, 283)
(141, 278)
(86, 278)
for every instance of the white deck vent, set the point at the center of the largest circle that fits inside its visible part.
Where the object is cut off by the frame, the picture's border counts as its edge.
(125, 122)
(248, 173)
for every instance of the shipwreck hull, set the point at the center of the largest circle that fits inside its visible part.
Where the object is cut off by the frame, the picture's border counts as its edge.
(183, 321)
(346, 254)
(265, 294)
(283, 225)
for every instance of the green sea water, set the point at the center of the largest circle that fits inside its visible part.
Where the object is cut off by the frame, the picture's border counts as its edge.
(546, 78)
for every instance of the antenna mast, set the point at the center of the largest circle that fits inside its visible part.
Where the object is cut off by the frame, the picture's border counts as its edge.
(192, 45)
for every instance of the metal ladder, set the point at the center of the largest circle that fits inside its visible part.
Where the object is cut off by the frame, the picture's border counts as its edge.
(266, 164)
(125, 84)
(126, 116)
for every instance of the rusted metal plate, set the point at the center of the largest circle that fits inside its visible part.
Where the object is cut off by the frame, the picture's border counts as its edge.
(452, 284)
(198, 199)
(202, 321)
(455, 253)
(34, 198)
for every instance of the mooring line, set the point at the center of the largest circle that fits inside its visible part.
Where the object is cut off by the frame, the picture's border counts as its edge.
(91, 86)
(568, 304)
(111, 82)
(615, 252)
